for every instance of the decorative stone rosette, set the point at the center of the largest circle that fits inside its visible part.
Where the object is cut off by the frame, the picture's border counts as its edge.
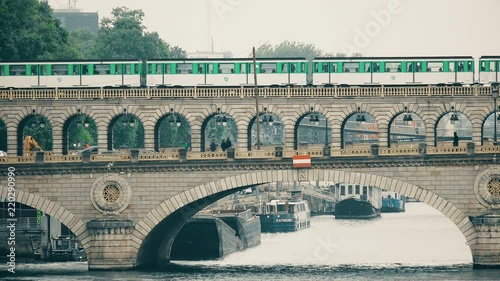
(110, 194)
(487, 188)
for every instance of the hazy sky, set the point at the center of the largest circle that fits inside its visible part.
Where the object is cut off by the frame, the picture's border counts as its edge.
(372, 27)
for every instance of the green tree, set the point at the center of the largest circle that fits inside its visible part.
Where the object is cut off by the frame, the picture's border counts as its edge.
(83, 41)
(124, 37)
(288, 49)
(40, 129)
(28, 31)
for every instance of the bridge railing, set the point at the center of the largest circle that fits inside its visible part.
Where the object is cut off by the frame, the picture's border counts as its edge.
(361, 151)
(240, 92)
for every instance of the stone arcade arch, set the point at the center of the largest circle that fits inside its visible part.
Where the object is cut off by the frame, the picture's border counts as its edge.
(155, 233)
(54, 210)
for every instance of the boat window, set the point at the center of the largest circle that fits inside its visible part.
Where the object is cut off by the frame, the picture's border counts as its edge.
(393, 67)
(272, 209)
(60, 69)
(101, 69)
(365, 190)
(226, 68)
(292, 209)
(342, 190)
(185, 68)
(349, 189)
(357, 189)
(282, 208)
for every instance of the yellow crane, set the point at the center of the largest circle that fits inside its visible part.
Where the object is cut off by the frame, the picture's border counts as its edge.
(30, 144)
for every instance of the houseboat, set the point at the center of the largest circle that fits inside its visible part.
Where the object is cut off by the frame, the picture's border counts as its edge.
(357, 202)
(392, 202)
(286, 215)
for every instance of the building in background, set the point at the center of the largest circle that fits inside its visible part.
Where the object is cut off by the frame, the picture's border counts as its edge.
(74, 19)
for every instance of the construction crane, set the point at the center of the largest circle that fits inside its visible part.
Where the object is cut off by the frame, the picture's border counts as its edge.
(31, 144)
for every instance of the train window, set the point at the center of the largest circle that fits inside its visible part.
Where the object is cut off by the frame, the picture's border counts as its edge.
(1, 70)
(85, 69)
(101, 69)
(376, 67)
(76, 69)
(293, 67)
(150, 68)
(168, 69)
(325, 67)
(316, 67)
(460, 67)
(201, 69)
(226, 68)
(250, 67)
(131, 68)
(418, 67)
(118, 68)
(451, 67)
(60, 69)
(393, 67)
(284, 68)
(184, 68)
(268, 68)
(44, 69)
(158, 69)
(435, 66)
(34, 70)
(18, 70)
(351, 67)
(334, 67)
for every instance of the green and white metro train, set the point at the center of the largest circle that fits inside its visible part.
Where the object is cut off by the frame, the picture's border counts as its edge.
(231, 72)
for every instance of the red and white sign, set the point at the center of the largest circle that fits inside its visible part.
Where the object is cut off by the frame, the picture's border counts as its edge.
(302, 161)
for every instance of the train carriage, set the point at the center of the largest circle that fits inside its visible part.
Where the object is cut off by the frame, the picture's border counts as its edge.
(226, 72)
(489, 66)
(70, 74)
(393, 70)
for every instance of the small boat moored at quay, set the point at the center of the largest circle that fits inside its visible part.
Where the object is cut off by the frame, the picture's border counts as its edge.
(392, 202)
(357, 202)
(286, 215)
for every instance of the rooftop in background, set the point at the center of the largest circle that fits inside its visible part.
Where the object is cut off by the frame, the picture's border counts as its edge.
(74, 19)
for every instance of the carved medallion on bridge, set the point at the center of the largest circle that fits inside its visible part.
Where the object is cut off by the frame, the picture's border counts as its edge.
(110, 194)
(487, 188)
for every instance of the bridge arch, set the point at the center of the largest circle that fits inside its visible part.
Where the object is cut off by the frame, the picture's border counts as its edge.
(167, 219)
(407, 117)
(172, 122)
(314, 118)
(127, 120)
(448, 122)
(54, 210)
(30, 125)
(80, 121)
(358, 115)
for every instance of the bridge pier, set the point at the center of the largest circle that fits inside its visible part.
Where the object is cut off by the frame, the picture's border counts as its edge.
(111, 244)
(486, 251)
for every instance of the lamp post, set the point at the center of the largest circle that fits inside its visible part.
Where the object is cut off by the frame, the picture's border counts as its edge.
(494, 93)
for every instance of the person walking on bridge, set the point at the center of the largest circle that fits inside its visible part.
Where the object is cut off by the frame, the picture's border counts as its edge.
(455, 139)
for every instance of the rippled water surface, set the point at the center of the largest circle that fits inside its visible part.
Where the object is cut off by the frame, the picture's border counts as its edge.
(420, 244)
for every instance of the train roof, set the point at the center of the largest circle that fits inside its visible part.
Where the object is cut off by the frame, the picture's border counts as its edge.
(396, 58)
(489, 57)
(100, 61)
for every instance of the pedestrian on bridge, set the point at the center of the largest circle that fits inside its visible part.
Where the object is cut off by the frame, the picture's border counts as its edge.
(455, 139)
(213, 146)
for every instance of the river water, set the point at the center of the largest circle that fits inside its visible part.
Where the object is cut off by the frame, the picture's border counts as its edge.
(420, 244)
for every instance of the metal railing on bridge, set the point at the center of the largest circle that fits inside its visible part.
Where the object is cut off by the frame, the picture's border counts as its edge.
(239, 92)
(361, 151)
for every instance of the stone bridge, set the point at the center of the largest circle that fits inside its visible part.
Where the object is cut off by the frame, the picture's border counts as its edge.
(127, 208)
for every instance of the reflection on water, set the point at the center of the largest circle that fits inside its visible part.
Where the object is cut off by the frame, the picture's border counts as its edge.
(420, 244)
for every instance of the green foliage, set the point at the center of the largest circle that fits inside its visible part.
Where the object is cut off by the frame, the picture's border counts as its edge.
(295, 49)
(219, 132)
(124, 37)
(127, 136)
(173, 136)
(28, 31)
(83, 42)
(40, 129)
(79, 135)
(288, 49)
